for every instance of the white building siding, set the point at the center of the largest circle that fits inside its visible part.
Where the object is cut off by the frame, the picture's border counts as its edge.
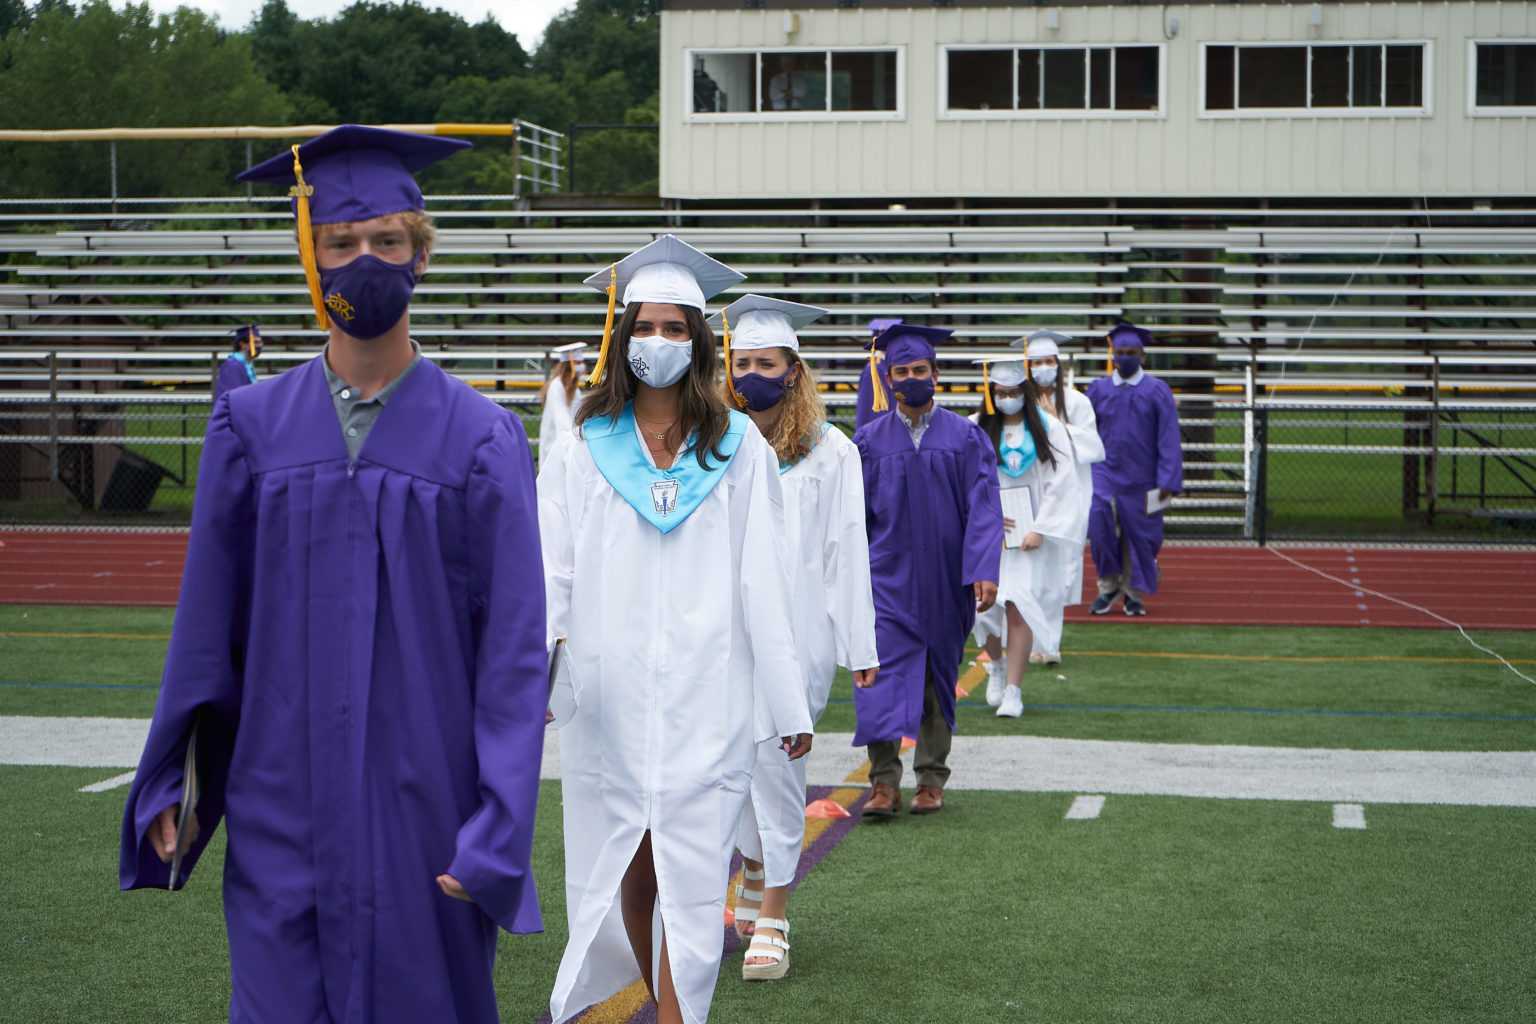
(924, 153)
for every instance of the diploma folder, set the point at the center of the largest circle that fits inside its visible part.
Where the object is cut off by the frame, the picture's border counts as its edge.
(1156, 502)
(562, 693)
(190, 790)
(1018, 505)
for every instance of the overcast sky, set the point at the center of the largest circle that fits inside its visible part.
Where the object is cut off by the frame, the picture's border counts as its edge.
(525, 18)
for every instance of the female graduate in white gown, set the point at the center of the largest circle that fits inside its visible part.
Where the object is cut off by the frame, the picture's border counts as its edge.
(1033, 455)
(1075, 412)
(833, 607)
(662, 525)
(560, 396)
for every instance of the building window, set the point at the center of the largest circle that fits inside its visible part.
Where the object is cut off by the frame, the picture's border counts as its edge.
(795, 82)
(1504, 76)
(1053, 81)
(1358, 77)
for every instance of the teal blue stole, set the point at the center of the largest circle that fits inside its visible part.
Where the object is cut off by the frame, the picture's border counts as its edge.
(664, 497)
(785, 467)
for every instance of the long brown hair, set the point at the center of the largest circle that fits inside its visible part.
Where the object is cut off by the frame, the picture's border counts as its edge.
(992, 423)
(567, 374)
(802, 413)
(701, 409)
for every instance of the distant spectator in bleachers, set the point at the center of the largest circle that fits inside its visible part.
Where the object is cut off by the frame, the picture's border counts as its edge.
(561, 395)
(239, 367)
(1142, 470)
(874, 395)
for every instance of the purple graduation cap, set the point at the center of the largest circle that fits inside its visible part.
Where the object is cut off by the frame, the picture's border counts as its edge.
(907, 343)
(878, 326)
(355, 172)
(247, 339)
(1124, 333)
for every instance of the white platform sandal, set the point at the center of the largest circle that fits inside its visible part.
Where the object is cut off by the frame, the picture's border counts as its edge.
(767, 947)
(748, 903)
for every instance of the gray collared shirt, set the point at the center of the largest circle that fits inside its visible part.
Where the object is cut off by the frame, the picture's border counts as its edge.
(918, 429)
(357, 414)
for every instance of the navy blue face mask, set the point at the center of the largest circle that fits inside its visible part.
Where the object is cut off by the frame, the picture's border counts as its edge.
(913, 392)
(759, 392)
(368, 296)
(1127, 366)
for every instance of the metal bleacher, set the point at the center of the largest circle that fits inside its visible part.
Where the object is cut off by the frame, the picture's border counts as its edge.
(1250, 306)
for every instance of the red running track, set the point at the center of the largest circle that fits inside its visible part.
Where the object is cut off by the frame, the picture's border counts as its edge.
(1482, 588)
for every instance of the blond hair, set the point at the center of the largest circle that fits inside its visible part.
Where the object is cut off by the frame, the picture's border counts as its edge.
(418, 225)
(802, 414)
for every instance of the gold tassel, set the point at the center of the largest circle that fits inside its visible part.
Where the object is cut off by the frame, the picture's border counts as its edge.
(251, 340)
(1111, 357)
(725, 323)
(878, 404)
(602, 353)
(301, 192)
(986, 390)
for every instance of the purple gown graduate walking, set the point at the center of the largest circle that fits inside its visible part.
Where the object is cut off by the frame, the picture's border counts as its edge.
(1138, 421)
(363, 657)
(238, 368)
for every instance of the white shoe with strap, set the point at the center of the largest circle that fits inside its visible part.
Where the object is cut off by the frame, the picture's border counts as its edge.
(770, 948)
(748, 903)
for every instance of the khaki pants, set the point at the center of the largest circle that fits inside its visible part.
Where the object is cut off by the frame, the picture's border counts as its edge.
(933, 743)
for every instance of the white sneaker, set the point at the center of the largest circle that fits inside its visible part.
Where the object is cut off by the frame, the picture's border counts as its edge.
(1013, 703)
(997, 680)
(1053, 657)
(1036, 658)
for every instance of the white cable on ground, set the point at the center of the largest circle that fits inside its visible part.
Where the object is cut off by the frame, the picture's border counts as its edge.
(1405, 604)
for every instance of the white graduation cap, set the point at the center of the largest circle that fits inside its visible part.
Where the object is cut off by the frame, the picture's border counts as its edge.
(575, 352)
(667, 270)
(1042, 343)
(757, 321)
(1004, 371)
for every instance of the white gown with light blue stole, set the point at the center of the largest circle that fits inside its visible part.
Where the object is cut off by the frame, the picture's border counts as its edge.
(1034, 582)
(834, 625)
(673, 591)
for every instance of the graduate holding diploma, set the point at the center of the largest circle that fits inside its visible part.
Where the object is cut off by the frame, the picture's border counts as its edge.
(357, 642)
(666, 568)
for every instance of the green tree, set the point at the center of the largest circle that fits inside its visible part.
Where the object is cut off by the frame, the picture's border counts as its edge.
(128, 68)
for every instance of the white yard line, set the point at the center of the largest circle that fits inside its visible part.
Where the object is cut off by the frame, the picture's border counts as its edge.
(1017, 763)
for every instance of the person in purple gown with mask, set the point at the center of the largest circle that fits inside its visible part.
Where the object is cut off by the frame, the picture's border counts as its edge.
(935, 526)
(239, 367)
(874, 394)
(1143, 468)
(356, 648)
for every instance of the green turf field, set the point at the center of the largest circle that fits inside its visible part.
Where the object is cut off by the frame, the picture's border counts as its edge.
(1162, 909)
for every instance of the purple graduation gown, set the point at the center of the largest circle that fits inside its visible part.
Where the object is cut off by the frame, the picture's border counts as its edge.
(864, 401)
(1140, 428)
(366, 644)
(935, 528)
(234, 372)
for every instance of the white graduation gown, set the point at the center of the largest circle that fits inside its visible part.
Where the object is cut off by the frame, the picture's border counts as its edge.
(1034, 582)
(681, 655)
(558, 418)
(834, 625)
(1087, 448)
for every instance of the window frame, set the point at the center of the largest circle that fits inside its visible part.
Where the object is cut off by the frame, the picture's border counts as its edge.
(1160, 112)
(1474, 109)
(757, 115)
(1426, 83)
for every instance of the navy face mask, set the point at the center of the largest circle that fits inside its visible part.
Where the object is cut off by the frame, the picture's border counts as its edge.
(368, 296)
(913, 392)
(760, 392)
(1127, 366)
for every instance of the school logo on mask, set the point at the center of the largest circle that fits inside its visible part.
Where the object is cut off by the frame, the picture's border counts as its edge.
(664, 496)
(340, 306)
(639, 366)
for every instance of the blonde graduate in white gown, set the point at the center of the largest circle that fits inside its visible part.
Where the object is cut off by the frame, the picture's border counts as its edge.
(834, 609)
(662, 522)
(561, 395)
(1033, 452)
(1058, 398)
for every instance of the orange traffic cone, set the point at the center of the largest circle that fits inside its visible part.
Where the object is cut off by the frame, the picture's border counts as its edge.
(826, 808)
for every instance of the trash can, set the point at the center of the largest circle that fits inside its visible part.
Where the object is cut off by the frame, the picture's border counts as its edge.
(132, 485)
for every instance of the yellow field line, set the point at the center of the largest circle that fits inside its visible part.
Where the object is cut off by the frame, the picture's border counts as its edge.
(1294, 658)
(92, 636)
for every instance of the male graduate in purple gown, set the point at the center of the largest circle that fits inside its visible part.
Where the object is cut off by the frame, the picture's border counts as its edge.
(871, 381)
(358, 642)
(1139, 423)
(935, 541)
(239, 367)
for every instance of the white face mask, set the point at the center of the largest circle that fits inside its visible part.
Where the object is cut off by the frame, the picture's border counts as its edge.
(658, 362)
(1044, 376)
(1009, 406)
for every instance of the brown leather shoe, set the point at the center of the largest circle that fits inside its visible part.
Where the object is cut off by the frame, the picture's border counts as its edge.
(884, 801)
(928, 800)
